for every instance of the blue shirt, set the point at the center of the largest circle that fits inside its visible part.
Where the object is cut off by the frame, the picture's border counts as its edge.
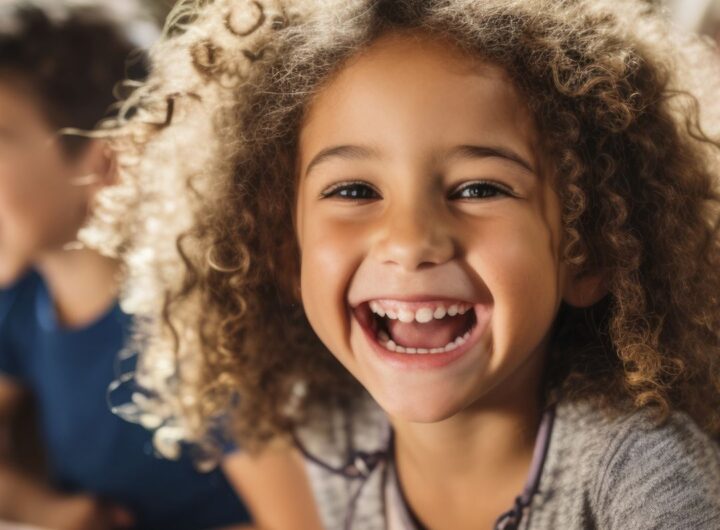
(89, 448)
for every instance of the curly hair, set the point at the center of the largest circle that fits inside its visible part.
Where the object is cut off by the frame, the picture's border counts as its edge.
(204, 211)
(71, 65)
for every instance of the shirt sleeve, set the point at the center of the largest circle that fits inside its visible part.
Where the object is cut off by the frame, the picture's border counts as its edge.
(229, 447)
(665, 478)
(220, 433)
(9, 363)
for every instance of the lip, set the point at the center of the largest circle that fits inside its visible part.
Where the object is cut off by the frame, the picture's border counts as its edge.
(429, 361)
(411, 299)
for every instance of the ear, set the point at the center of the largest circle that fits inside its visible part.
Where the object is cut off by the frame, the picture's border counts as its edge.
(96, 168)
(585, 289)
(102, 161)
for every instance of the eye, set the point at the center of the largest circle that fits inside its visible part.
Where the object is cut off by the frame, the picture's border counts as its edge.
(352, 191)
(480, 190)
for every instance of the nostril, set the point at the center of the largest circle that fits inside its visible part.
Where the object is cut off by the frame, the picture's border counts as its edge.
(416, 244)
(416, 258)
(426, 265)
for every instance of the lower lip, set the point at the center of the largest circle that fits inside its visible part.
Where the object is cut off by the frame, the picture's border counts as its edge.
(423, 361)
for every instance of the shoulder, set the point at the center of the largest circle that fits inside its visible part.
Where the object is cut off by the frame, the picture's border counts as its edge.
(16, 300)
(670, 473)
(635, 440)
(17, 323)
(345, 453)
(633, 446)
(17, 311)
(332, 434)
(632, 471)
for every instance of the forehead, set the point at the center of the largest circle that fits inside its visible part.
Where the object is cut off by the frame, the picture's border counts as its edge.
(414, 86)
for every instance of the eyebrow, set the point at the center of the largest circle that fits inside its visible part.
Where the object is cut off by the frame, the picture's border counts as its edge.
(482, 151)
(359, 152)
(346, 152)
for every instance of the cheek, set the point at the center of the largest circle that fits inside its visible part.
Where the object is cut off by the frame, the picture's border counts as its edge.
(519, 265)
(38, 207)
(21, 206)
(18, 185)
(330, 254)
(20, 225)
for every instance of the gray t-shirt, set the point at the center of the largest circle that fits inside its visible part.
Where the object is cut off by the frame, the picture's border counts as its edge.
(599, 472)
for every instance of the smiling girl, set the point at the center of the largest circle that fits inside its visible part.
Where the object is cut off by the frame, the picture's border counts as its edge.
(499, 217)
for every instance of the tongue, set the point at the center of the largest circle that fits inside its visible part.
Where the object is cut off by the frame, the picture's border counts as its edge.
(433, 334)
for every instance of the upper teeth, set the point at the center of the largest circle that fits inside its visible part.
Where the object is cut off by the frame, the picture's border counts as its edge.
(422, 315)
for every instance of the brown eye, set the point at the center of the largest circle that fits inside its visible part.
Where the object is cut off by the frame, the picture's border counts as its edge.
(356, 191)
(480, 190)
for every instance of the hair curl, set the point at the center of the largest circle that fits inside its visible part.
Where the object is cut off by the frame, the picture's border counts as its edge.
(209, 157)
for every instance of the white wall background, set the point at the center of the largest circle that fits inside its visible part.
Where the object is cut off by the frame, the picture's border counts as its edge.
(694, 14)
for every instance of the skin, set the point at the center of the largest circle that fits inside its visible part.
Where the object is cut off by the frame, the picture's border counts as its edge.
(40, 209)
(262, 480)
(436, 222)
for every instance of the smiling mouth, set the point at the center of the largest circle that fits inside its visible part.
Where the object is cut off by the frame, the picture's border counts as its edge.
(418, 327)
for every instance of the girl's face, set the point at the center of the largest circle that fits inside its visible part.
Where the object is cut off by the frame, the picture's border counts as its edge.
(40, 208)
(430, 235)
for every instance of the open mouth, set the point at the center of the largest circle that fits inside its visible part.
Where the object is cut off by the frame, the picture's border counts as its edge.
(418, 327)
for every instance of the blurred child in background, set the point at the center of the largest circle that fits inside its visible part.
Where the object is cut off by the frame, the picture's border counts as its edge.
(60, 326)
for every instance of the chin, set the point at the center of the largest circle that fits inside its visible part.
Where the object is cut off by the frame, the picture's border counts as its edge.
(421, 405)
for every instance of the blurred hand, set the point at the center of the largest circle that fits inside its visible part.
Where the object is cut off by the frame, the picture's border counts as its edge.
(82, 512)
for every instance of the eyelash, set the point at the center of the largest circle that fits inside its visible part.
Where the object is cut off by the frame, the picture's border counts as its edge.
(496, 189)
(353, 191)
(336, 190)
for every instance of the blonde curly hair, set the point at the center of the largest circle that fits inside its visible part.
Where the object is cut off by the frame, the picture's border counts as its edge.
(203, 211)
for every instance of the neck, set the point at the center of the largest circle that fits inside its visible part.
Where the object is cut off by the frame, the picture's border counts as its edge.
(82, 284)
(464, 471)
(478, 442)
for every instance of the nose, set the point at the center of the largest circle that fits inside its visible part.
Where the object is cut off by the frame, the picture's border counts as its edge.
(413, 237)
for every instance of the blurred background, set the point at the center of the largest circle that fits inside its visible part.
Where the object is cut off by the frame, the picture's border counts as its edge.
(160, 8)
(695, 15)
(702, 16)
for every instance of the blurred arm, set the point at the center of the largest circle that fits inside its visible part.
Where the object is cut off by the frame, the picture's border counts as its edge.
(26, 499)
(275, 489)
(18, 493)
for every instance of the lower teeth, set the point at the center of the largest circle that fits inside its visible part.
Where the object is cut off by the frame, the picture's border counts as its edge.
(392, 346)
